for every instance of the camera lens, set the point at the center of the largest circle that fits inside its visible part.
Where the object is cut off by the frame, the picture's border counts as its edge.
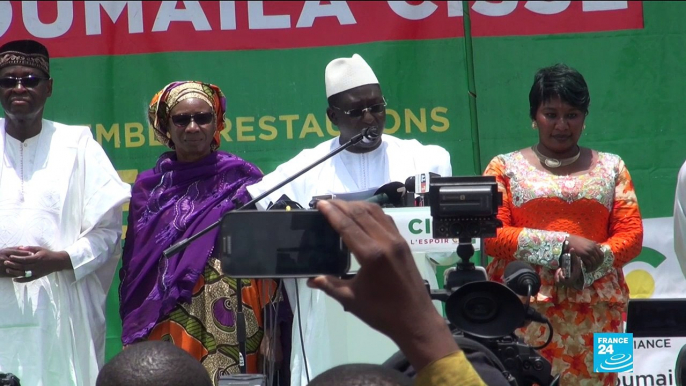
(480, 307)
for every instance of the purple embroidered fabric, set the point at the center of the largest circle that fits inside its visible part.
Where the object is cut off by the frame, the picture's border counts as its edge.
(173, 201)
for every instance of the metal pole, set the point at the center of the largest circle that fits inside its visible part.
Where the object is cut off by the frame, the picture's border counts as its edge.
(241, 330)
(471, 87)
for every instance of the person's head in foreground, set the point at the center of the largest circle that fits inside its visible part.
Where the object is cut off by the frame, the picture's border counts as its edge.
(355, 101)
(153, 363)
(361, 375)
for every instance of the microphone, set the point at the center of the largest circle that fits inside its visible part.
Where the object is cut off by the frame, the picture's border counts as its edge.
(392, 193)
(535, 316)
(520, 276)
(423, 178)
(419, 185)
(369, 133)
(284, 203)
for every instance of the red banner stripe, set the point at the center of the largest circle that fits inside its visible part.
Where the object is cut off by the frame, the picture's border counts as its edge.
(78, 28)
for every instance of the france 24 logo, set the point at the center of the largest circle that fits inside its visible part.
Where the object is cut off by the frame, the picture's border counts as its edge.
(613, 353)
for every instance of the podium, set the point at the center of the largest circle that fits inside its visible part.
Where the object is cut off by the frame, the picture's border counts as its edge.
(356, 342)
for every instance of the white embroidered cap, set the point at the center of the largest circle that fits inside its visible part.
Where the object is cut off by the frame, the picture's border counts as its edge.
(343, 74)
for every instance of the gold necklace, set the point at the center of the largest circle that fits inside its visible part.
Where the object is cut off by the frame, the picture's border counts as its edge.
(554, 162)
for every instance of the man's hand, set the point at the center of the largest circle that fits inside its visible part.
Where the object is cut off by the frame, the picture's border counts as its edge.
(5, 256)
(588, 250)
(388, 292)
(37, 261)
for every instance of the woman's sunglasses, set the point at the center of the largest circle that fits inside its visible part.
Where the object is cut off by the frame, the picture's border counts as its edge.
(183, 120)
(27, 81)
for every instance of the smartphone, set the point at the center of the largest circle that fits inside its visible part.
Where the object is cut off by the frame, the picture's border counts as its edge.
(566, 265)
(281, 244)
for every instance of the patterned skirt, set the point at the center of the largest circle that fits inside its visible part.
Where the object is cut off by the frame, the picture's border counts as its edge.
(571, 350)
(206, 327)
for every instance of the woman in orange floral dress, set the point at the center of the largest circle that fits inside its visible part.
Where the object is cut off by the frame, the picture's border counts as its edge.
(561, 198)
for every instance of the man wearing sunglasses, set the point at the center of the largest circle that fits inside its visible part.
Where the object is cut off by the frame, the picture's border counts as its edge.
(60, 229)
(355, 103)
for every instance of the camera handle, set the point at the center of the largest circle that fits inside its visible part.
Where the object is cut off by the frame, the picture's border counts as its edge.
(464, 271)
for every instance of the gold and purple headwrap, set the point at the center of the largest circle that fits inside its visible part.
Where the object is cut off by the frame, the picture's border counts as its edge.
(166, 99)
(28, 53)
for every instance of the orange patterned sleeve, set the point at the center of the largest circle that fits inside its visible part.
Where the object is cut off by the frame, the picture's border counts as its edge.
(535, 246)
(626, 225)
(504, 245)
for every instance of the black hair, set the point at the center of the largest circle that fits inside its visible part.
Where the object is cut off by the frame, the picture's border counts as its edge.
(361, 375)
(559, 81)
(153, 363)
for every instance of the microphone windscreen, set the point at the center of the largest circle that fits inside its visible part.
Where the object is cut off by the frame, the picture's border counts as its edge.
(395, 192)
(411, 181)
(519, 275)
(515, 266)
(409, 184)
(283, 202)
(372, 132)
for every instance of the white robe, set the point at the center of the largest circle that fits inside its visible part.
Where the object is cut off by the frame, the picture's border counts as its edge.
(58, 190)
(680, 219)
(394, 160)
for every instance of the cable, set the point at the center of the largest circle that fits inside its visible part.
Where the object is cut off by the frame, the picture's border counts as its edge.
(550, 337)
(529, 290)
(266, 330)
(274, 341)
(268, 365)
(300, 328)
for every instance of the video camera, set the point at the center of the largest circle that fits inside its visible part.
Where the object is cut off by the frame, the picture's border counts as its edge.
(482, 314)
(9, 379)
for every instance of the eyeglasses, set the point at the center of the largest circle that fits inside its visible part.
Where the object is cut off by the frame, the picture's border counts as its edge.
(183, 120)
(357, 113)
(26, 81)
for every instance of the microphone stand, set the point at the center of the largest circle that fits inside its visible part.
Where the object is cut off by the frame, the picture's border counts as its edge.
(181, 245)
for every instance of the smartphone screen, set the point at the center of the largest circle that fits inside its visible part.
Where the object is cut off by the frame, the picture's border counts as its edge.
(280, 243)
